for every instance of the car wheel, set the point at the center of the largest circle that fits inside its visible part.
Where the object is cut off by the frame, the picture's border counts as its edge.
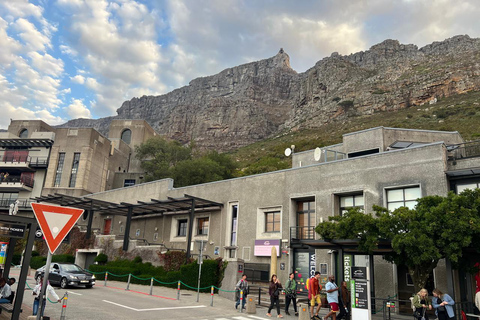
(63, 283)
(88, 286)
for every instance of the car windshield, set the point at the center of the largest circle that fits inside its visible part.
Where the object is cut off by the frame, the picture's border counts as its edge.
(71, 268)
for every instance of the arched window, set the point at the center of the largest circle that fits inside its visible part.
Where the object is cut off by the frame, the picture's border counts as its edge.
(127, 136)
(23, 134)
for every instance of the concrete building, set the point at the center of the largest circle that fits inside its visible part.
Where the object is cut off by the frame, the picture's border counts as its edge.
(381, 166)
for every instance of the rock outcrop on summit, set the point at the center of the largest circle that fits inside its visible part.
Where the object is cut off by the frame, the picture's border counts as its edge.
(254, 101)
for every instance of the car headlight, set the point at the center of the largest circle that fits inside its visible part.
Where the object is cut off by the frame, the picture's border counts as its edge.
(93, 277)
(73, 277)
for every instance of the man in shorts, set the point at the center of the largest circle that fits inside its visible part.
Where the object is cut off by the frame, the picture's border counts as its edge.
(314, 289)
(332, 297)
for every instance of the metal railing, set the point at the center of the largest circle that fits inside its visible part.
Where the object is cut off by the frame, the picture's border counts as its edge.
(464, 150)
(22, 203)
(302, 233)
(29, 160)
(23, 179)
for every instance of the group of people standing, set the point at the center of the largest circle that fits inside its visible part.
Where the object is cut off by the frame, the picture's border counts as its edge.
(441, 302)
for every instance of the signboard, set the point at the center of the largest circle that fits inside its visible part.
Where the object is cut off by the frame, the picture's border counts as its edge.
(360, 288)
(12, 230)
(240, 268)
(55, 222)
(282, 266)
(263, 248)
(361, 294)
(304, 267)
(347, 264)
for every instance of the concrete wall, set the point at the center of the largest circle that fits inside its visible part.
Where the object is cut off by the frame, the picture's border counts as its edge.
(16, 126)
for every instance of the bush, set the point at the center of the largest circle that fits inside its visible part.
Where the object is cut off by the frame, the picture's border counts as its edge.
(35, 254)
(17, 259)
(137, 259)
(63, 258)
(102, 258)
(37, 262)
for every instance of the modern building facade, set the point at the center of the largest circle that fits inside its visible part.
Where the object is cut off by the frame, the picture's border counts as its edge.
(381, 166)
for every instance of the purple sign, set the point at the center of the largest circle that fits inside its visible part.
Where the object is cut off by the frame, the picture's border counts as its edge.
(263, 248)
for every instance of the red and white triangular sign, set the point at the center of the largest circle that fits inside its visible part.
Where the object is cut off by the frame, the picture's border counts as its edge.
(55, 222)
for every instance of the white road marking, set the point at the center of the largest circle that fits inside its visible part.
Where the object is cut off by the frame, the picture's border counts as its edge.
(78, 294)
(153, 309)
(245, 318)
(254, 317)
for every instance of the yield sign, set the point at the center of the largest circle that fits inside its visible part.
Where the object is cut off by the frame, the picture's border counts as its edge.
(55, 222)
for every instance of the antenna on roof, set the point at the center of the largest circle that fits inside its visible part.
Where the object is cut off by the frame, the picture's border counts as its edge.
(289, 151)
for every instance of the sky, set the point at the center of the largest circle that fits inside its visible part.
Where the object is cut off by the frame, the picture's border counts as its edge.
(67, 59)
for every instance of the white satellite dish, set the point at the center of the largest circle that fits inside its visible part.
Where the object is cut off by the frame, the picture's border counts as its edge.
(317, 154)
(288, 152)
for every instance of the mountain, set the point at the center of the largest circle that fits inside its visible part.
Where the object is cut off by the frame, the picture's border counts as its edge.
(257, 100)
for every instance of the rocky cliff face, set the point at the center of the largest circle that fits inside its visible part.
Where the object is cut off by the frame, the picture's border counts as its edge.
(253, 101)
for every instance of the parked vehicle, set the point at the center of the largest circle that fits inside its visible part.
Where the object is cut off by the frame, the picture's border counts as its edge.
(67, 274)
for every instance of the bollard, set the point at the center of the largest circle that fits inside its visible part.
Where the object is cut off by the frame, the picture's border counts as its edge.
(178, 291)
(251, 307)
(128, 282)
(64, 306)
(241, 301)
(151, 286)
(303, 313)
(211, 294)
(106, 277)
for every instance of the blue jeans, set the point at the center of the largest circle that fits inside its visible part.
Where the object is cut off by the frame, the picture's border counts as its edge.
(36, 302)
(243, 302)
(3, 300)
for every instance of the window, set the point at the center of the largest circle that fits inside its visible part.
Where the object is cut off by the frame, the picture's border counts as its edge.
(23, 134)
(305, 219)
(272, 221)
(465, 186)
(73, 174)
(202, 226)
(403, 197)
(182, 228)
(58, 174)
(127, 136)
(351, 201)
(128, 182)
(233, 238)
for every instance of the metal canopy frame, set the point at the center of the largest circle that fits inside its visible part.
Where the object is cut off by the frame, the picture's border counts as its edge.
(186, 204)
(26, 142)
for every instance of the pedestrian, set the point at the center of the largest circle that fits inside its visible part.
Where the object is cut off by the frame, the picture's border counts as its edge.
(332, 297)
(421, 302)
(11, 281)
(291, 293)
(314, 288)
(443, 305)
(241, 287)
(5, 291)
(1, 176)
(476, 309)
(37, 291)
(344, 301)
(274, 290)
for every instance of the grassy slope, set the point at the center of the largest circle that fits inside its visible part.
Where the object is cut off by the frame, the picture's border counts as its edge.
(457, 113)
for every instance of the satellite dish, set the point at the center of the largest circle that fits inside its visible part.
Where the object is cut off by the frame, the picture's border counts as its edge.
(288, 152)
(317, 154)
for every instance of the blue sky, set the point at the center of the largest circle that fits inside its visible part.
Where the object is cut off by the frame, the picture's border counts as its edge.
(68, 59)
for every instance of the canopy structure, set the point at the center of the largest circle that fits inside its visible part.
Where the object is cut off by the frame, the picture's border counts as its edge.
(26, 142)
(170, 206)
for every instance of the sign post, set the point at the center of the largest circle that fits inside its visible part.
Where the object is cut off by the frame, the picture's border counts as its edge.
(200, 262)
(55, 223)
(360, 293)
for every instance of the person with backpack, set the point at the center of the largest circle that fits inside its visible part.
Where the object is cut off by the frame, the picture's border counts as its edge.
(242, 285)
(291, 293)
(274, 290)
(314, 287)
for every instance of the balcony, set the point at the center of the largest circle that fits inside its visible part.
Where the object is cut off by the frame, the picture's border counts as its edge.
(16, 183)
(464, 150)
(22, 203)
(302, 233)
(23, 162)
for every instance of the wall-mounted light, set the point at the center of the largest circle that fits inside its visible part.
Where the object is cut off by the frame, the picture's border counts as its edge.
(120, 222)
(156, 229)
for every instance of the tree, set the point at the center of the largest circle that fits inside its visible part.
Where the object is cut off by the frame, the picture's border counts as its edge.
(159, 156)
(437, 228)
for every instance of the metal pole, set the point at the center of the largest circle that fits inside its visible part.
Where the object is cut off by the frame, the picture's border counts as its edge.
(241, 301)
(106, 277)
(200, 262)
(128, 283)
(64, 306)
(178, 291)
(42, 298)
(151, 286)
(211, 293)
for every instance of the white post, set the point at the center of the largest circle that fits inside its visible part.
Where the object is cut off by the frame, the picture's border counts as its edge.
(42, 298)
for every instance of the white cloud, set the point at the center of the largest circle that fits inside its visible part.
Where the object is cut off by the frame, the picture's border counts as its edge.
(78, 110)
(34, 39)
(79, 79)
(46, 64)
(67, 50)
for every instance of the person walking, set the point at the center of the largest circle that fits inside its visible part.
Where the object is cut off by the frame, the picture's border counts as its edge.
(274, 290)
(332, 297)
(344, 301)
(242, 286)
(37, 291)
(421, 302)
(314, 289)
(443, 305)
(291, 293)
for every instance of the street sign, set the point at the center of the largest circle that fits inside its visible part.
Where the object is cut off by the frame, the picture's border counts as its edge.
(55, 222)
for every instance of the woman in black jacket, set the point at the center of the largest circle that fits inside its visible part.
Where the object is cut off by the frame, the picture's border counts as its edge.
(274, 290)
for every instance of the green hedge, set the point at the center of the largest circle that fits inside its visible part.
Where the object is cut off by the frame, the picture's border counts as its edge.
(39, 261)
(118, 270)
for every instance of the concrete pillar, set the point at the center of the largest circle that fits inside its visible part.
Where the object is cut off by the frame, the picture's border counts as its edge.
(251, 306)
(303, 312)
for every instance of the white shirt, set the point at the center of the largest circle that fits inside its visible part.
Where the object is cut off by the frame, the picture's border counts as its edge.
(5, 292)
(477, 300)
(50, 291)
